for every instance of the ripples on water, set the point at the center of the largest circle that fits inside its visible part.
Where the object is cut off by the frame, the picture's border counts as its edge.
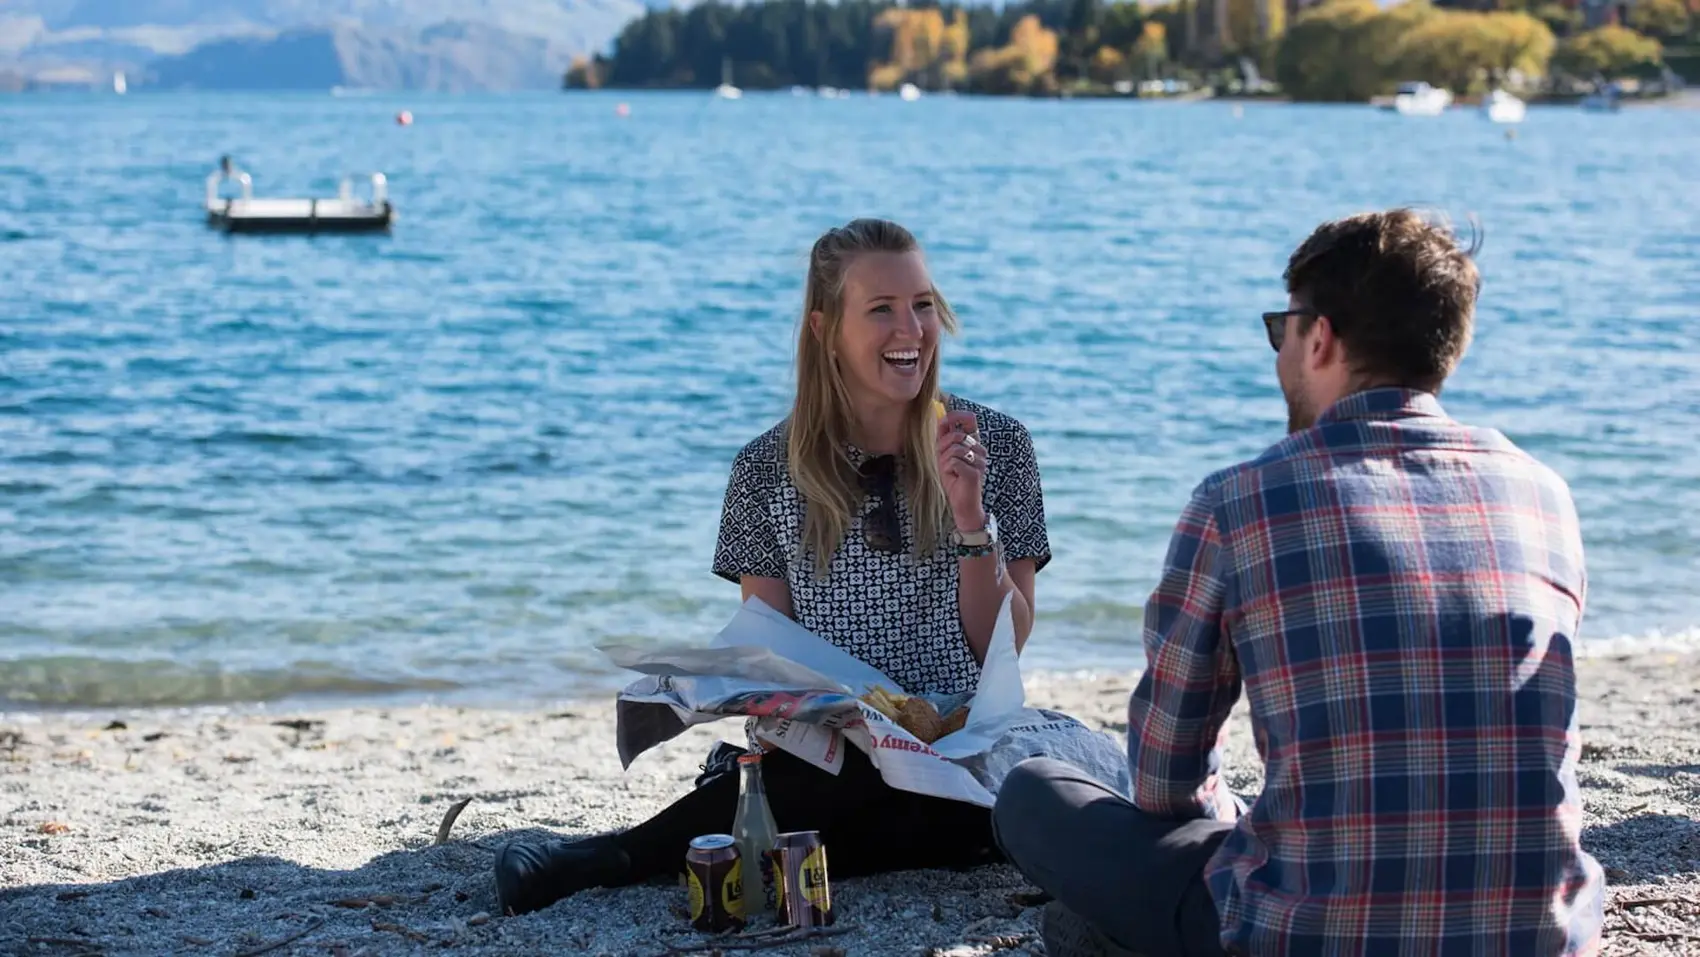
(452, 459)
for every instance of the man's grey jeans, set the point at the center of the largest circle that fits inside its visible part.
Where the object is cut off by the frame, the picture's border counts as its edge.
(1137, 878)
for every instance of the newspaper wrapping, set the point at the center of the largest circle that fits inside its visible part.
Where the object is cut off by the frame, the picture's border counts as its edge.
(805, 696)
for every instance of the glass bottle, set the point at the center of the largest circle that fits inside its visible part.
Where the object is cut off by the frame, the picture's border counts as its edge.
(755, 832)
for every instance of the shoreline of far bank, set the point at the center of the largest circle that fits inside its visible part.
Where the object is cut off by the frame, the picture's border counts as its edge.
(221, 833)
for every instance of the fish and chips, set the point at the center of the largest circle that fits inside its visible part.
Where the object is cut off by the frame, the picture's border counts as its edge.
(916, 714)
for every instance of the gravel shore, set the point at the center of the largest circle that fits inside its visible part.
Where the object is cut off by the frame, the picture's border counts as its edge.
(285, 832)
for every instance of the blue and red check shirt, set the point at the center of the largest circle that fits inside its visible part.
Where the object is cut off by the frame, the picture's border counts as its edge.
(1398, 595)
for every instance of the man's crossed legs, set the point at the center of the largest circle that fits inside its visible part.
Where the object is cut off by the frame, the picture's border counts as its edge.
(1126, 882)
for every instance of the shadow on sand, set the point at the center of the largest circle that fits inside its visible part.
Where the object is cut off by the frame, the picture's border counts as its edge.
(436, 897)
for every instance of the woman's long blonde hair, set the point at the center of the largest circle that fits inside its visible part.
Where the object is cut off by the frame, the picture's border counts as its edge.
(822, 418)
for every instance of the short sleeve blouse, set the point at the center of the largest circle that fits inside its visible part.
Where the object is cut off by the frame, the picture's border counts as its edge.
(893, 611)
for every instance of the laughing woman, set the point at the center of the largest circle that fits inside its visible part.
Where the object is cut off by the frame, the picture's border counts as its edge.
(886, 529)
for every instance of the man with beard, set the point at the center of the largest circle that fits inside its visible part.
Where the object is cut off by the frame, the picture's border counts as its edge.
(1398, 595)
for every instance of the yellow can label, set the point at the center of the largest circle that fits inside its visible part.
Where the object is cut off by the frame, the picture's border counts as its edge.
(814, 880)
(693, 888)
(732, 890)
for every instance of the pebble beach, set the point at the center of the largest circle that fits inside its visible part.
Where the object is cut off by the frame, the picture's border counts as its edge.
(286, 832)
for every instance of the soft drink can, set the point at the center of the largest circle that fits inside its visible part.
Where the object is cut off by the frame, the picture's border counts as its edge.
(799, 866)
(714, 881)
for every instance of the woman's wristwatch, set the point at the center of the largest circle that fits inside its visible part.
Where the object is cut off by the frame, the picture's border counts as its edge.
(977, 544)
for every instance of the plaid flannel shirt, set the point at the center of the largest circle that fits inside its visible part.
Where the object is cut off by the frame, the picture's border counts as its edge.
(1399, 595)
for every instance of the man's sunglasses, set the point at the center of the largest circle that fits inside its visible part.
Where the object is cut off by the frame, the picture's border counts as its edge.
(1275, 323)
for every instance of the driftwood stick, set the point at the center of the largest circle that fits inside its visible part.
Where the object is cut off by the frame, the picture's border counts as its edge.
(407, 932)
(1652, 901)
(778, 931)
(1662, 936)
(778, 940)
(449, 820)
(283, 942)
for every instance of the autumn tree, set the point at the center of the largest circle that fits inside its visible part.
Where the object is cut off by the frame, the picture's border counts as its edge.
(1464, 51)
(1353, 50)
(1027, 64)
(583, 74)
(1151, 50)
(925, 49)
(1668, 21)
(1609, 51)
(1323, 57)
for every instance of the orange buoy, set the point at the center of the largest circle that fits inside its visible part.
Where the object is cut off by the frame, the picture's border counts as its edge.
(404, 118)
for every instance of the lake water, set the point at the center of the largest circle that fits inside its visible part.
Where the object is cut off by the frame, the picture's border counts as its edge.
(451, 460)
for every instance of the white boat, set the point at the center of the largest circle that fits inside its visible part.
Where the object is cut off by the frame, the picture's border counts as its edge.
(1420, 99)
(726, 91)
(120, 85)
(343, 214)
(1501, 107)
(909, 91)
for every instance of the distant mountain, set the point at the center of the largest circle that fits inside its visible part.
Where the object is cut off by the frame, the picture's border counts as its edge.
(563, 21)
(288, 44)
(448, 57)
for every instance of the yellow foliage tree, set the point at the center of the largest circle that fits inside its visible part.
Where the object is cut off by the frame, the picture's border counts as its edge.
(885, 76)
(924, 49)
(583, 75)
(1525, 42)
(1610, 51)
(1379, 42)
(1351, 50)
(1038, 45)
(955, 49)
(1253, 23)
(1152, 47)
(1667, 20)
(1108, 65)
(1026, 65)
(1322, 56)
(1465, 51)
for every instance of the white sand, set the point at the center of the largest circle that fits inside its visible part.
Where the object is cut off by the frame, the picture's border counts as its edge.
(222, 833)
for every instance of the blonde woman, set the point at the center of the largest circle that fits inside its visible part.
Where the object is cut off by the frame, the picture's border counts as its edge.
(876, 523)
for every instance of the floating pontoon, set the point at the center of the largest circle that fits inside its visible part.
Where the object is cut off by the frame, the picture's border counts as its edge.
(344, 214)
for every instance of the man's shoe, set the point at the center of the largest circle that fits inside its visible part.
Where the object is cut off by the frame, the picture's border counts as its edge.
(1067, 934)
(532, 876)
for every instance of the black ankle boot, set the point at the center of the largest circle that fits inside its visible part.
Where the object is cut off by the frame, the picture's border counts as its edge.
(532, 876)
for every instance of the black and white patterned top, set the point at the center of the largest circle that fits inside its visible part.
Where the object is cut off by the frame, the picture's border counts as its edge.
(892, 610)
